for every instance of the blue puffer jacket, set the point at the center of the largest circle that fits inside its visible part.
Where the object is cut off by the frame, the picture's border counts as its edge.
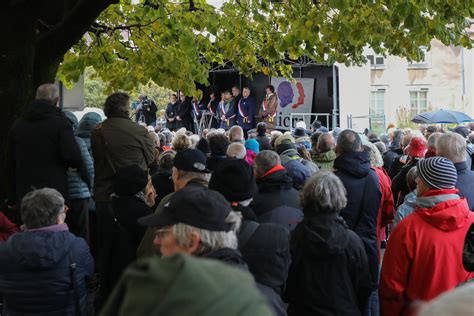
(35, 272)
(79, 183)
(86, 125)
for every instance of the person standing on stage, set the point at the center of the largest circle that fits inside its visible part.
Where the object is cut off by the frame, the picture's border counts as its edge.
(213, 107)
(246, 111)
(269, 107)
(170, 114)
(183, 115)
(236, 94)
(196, 115)
(227, 111)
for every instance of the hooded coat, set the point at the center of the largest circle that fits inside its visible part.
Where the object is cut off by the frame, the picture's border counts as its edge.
(184, 285)
(464, 183)
(298, 168)
(41, 148)
(361, 212)
(85, 127)
(424, 254)
(324, 161)
(35, 272)
(277, 201)
(329, 273)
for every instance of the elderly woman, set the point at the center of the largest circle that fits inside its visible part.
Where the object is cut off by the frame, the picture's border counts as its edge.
(43, 269)
(329, 274)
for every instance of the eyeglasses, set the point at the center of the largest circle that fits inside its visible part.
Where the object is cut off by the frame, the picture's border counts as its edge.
(160, 233)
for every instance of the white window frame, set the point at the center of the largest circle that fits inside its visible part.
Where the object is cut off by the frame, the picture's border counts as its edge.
(418, 99)
(424, 63)
(374, 65)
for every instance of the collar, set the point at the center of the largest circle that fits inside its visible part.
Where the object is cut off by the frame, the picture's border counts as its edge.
(52, 228)
(274, 169)
(460, 166)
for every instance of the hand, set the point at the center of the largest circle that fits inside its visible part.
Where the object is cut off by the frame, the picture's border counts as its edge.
(178, 118)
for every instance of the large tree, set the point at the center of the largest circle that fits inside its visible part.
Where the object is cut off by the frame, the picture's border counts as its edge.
(174, 43)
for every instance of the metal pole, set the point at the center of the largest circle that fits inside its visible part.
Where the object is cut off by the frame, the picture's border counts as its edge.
(334, 97)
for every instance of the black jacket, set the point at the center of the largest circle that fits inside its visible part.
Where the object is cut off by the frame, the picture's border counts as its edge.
(267, 254)
(163, 184)
(127, 236)
(171, 110)
(277, 201)
(354, 170)
(149, 111)
(399, 183)
(329, 272)
(41, 147)
(184, 113)
(264, 142)
(389, 156)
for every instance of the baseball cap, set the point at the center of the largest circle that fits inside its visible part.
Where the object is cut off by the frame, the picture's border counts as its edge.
(197, 207)
(191, 160)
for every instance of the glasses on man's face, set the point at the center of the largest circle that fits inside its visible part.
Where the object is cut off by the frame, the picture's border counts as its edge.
(160, 233)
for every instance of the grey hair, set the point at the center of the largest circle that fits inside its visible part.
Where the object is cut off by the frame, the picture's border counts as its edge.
(210, 240)
(191, 175)
(451, 146)
(40, 208)
(324, 192)
(348, 141)
(48, 92)
(236, 134)
(381, 147)
(266, 160)
(376, 160)
(452, 303)
(325, 143)
(433, 139)
(236, 150)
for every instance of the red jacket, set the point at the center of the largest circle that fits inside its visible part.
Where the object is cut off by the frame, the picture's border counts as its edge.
(424, 254)
(386, 210)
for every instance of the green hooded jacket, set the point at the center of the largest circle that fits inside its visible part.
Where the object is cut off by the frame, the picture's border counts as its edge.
(324, 161)
(182, 285)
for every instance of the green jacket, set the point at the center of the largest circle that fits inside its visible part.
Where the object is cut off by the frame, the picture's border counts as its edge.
(182, 285)
(325, 161)
(116, 143)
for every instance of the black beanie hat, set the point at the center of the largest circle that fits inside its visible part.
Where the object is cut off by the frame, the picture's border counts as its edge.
(234, 179)
(130, 180)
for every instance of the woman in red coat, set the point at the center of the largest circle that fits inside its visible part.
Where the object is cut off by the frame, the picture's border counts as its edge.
(424, 254)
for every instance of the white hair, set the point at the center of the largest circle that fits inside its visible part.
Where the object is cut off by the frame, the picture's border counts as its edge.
(324, 192)
(210, 240)
(452, 303)
(236, 150)
(451, 146)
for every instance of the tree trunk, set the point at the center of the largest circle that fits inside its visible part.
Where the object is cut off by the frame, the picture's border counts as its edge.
(30, 57)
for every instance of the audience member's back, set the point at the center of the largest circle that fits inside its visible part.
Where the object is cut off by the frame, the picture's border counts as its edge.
(35, 265)
(276, 201)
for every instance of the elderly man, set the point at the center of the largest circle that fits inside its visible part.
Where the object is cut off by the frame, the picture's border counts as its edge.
(246, 111)
(453, 147)
(41, 147)
(236, 150)
(325, 155)
(424, 254)
(198, 222)
(37, 266)
(352, 166)
(189, 170)
(236, 134)
(276, 201)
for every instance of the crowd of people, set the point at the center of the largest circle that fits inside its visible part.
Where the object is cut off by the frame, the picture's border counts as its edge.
(240, 219)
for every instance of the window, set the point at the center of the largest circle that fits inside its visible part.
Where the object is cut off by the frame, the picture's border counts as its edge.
(423, 63)
(418, 102)
(376, 61)
(377, 110)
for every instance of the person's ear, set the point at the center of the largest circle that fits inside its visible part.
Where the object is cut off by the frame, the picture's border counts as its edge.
(194, 242)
